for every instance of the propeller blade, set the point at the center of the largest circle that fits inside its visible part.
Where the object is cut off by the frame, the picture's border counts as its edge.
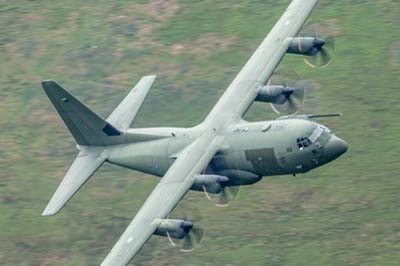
(193, 239)
(223, 200)
(187, 244)
(227, 195)
(326, 58)
(234, 191)
(198, 234)
(330, 42)
(292, 106)
(171, 240)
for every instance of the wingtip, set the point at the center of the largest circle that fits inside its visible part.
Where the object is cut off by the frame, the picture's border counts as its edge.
(48, 212)
(47, 81)
(48, 84)
(150, 77)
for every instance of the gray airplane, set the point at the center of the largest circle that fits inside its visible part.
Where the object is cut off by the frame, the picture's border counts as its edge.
(215, 157)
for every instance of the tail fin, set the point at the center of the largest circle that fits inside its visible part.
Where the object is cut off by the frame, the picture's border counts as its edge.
(86, 127)
(91, 131)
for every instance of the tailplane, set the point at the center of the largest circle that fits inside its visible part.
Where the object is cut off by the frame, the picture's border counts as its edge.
(85, 165)
(127, 110)
(93, 134)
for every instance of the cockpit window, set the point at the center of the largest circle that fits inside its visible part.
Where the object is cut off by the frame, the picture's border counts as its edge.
(316, 133)
(306, 142)
(303, 143)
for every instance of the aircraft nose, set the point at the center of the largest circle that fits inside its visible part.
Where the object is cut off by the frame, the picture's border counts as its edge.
(335, 147)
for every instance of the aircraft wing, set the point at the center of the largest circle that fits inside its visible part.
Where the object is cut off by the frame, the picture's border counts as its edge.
(170, 190)
(244, 89)
(194, 159)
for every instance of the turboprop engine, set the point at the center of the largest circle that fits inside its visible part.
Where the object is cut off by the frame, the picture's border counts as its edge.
(211, 183)
(309, 46)
(216, 184)
(316, 44)
(274, 94)
(174, 228)
(182, 232)
(285, 99)
(285, 91)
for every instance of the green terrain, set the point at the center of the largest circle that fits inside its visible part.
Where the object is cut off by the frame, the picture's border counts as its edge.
(345, 213)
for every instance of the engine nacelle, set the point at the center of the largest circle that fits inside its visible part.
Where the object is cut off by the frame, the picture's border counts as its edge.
(309, 46)
(212, 183)
(174, 228)
(274, 94)
(240, 177)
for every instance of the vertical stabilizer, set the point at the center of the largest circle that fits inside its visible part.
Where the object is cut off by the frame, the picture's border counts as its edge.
(87, 127)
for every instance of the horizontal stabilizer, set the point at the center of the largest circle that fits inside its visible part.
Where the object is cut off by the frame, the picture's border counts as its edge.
(84, 166)
(127, 110)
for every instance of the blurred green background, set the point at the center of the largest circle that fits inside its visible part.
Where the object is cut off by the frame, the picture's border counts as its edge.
(345, 213)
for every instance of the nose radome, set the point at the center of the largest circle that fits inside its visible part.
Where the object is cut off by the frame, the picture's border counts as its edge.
(335, 147)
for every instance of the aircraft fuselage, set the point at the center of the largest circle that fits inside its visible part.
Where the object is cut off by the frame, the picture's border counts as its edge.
(250, 150)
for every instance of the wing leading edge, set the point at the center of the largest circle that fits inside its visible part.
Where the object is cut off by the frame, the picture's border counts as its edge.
(173, 186)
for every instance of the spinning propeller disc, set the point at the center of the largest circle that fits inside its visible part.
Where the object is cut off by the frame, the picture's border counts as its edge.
(325, 32)
(293, 82)
(194, 234)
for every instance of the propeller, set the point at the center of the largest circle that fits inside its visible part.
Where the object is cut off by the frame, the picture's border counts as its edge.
(324, 43)
(225, 196)
(193, 235)
(294, 91)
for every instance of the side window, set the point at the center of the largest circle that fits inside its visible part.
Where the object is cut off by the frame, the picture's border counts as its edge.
(303, 143)
(300, 144)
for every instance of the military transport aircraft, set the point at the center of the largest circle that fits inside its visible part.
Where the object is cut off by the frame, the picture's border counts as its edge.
(216, 156)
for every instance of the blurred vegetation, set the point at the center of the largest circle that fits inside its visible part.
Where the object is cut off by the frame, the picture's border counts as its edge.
(346, 213)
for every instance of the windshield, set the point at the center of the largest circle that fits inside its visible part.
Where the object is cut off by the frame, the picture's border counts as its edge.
(316, 133)
(308, 141)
